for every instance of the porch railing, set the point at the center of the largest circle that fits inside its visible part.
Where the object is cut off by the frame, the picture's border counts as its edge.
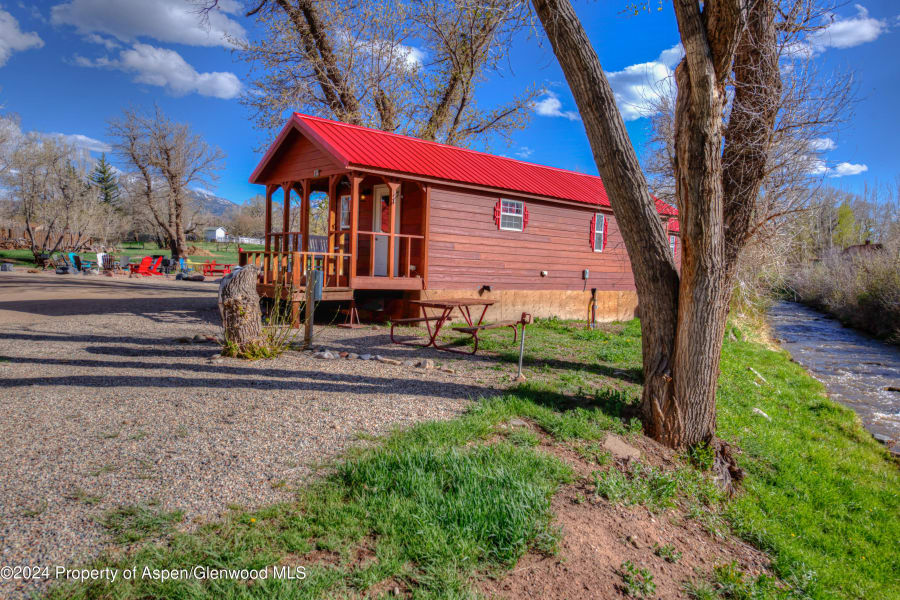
(406, 267)
(288, 269)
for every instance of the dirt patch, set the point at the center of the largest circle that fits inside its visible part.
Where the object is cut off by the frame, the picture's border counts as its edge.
(598, 537)
(195, 251)
(389, 588)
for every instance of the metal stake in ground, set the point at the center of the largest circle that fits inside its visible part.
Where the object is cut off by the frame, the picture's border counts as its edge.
(308, 331)
(526, 318)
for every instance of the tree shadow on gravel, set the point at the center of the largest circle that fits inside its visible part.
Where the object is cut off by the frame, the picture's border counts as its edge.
(190, 310)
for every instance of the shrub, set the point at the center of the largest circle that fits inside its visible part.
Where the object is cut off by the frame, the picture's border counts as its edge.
(863, 291)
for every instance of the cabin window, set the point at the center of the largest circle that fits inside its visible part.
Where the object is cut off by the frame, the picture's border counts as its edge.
(512, 215)
(345, 212)
(598, 232)
(673, 245)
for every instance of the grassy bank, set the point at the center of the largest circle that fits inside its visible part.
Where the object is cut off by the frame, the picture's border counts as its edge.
(429, 509)
(137, 251)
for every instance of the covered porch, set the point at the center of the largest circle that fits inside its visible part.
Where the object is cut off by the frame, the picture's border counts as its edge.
(362, 231)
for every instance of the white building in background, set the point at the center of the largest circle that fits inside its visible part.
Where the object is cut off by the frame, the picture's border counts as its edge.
(214, 234)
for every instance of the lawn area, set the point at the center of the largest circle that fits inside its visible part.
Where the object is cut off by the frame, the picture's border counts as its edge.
(429, 510)
(136, 251)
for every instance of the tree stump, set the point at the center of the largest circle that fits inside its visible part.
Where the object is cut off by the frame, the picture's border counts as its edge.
(239, 304)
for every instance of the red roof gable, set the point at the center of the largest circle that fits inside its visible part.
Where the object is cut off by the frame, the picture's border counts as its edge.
(365, 148)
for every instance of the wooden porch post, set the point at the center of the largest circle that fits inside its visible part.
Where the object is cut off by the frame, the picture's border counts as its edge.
(269, 191)
(332, 224)
(286, 217)
(355, 181)
(426, 228)
(304, 213)
(394, 190)
(267, 259)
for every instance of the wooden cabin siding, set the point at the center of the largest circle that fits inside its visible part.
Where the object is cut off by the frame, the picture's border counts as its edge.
(467, 250)
(298, 158)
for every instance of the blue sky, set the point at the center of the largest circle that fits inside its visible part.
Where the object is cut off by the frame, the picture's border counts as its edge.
(68, 66)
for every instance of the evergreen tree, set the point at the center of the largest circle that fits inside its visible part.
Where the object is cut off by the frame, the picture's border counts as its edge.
(104, 177)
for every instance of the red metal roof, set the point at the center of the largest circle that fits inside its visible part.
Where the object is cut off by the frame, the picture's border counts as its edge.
(365, 148)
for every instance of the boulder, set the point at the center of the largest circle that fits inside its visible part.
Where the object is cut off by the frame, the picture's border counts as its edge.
(620, 449)
(757, 411)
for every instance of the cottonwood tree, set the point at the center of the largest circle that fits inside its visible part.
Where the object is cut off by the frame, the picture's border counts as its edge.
(410, 66)
(167, 158)
(720, 155)
(52, 195)
(812, 107)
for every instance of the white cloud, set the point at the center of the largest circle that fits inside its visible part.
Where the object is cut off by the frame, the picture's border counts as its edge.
(166, 68)
(413, 56)
(550, 106)
(524, 152)
(637, 85)
(843, 169)
(82, 141)
(846, 33)
(108, 43)
(174, 21)
(13, 39)
(823, 144)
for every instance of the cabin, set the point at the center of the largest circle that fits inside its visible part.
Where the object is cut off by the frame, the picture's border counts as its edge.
(214, 234)
(409, 219)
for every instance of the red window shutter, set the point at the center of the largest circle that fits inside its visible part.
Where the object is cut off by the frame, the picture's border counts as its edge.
(604, 231)
(497, 214)
(593, 231)
(524, 217)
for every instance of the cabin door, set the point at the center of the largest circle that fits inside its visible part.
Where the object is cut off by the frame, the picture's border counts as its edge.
(381, 197)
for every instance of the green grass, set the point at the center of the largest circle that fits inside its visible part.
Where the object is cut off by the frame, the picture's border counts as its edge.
(431, 506)
(728, 582)
(637, 581)
(133, 523)
(429, 509)
(667, 552)
(136, 251)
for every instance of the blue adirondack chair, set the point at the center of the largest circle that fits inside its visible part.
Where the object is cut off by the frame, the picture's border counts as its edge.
(81, 265)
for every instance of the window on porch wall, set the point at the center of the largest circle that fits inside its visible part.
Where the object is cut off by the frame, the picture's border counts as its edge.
(345, 212)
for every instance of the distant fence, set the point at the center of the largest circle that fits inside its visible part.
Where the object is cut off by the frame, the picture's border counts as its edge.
(245, 240)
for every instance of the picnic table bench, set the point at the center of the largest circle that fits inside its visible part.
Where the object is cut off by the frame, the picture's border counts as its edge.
(446, 308)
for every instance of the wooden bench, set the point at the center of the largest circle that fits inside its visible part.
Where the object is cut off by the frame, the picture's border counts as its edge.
(497, 325)
(475, 329)
(396, 322)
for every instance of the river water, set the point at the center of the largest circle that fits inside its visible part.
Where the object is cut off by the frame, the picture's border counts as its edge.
(856, 369)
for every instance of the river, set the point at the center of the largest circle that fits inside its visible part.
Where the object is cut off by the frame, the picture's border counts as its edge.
(856, 369)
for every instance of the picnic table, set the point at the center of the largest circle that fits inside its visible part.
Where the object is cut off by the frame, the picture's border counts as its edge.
(444, 310)
(211, 268)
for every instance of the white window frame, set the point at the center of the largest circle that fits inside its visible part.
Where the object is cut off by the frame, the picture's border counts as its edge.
(599, 229)
(507, 208)
(344, 201)
(673, 244)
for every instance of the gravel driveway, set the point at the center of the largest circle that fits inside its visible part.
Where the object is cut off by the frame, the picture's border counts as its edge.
(99, 401)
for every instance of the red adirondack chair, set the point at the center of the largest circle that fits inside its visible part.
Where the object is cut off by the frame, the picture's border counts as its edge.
(145, 268)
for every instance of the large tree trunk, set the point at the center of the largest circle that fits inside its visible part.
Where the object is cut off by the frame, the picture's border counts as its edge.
(683, 320)
(655, 274)
(239, 305)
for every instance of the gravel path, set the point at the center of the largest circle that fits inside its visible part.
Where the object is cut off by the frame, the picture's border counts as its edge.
(98, 399)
